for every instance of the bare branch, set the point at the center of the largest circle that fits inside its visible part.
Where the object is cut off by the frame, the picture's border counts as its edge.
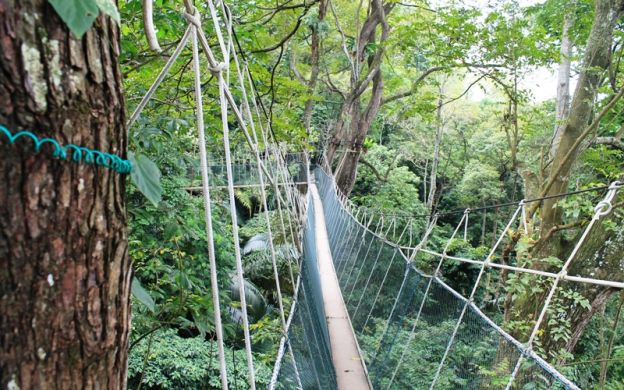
(428, 72)
(374, 170)
(148, 25)
(293, 68)
(610, 141)
(465, 91)
(281, 43)
(332, 87)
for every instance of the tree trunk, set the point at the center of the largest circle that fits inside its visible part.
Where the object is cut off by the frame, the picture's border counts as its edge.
(600, 258)
(360, 124)
(65, 280)
(353, 122)
(595, 63)
(433, 176)
(562, 101)
(314, 71)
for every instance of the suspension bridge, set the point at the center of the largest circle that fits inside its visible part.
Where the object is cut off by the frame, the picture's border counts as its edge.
(371, 307)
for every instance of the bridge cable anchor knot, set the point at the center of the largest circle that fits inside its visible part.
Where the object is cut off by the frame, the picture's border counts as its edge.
(217, 68)
(605, 206)
(194, 18)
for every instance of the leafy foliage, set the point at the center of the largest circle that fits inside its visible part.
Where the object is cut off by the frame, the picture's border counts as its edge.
(168, 361)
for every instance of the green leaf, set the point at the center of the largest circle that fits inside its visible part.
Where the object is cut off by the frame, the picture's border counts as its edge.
(78, 15)
(146, 176)
(142, 295)
(109, 8)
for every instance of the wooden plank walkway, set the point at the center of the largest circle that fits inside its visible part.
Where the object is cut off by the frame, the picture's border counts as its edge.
(350, 370)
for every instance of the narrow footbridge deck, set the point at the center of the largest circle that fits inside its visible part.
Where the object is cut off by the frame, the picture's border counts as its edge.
(346, 356)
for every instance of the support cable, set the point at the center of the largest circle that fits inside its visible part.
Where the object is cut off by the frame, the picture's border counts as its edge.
(602, 209)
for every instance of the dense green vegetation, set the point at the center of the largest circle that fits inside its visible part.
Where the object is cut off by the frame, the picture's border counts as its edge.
(447, 121)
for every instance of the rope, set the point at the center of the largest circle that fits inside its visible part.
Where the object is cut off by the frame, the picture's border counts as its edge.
(275, 172)
(232, 199)
(194, 31)
(266, 210)
(422, 243)
(472, 294)
(380, 286)
(284, 340)
(78, 154)
(425, 295)
(347, 255)
(492, 206)
(208, 212)
(355, 258)
(161, 76)
(370, 275)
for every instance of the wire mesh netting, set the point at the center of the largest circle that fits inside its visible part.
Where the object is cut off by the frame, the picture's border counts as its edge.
(245, 169)
(308, 335)
(416, 332)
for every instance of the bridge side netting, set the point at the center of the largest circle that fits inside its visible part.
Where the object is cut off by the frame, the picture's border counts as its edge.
(307, 332)
(414, 330)
(245, 170)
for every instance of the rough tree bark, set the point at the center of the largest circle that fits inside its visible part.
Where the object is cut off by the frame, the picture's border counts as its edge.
(65, 280)
(600, 258)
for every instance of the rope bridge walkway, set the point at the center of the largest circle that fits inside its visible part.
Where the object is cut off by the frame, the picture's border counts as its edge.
(414, 330)
(372, 318)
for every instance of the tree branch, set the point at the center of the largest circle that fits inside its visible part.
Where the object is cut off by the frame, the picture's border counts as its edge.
(465, 91)
(290, 34)
(610, 141)
(428, 72)
(555, 173)
(293, 68)
(373, 169)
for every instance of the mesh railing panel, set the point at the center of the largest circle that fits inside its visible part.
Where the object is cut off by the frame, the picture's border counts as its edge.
(404, 319)
(308, 335)
(245, 170)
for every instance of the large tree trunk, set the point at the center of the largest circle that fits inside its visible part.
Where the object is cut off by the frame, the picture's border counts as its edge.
(359, 126)
(595, 62)
(600, 255)
(562, 102)
(600, 258)
(354, 122)
(433, 176)
(65, 279)
(315, 55)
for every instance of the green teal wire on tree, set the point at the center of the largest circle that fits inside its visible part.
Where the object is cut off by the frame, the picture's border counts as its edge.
(78, 154)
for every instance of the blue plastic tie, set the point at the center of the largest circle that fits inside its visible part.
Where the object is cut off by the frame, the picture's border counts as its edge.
(77, 154)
